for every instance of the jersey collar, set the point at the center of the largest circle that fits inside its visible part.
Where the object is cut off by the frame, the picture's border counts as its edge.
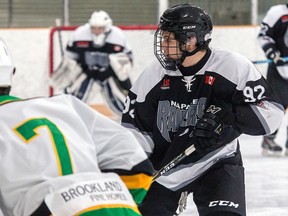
(191, 70)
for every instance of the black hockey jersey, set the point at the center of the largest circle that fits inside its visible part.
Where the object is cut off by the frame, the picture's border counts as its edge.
(273, 38)
(161, 101)
(274, 29)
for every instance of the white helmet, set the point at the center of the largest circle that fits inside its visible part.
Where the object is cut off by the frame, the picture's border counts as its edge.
(6, 65)
(101, 19)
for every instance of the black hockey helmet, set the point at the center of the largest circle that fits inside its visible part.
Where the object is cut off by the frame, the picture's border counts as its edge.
(185, 21)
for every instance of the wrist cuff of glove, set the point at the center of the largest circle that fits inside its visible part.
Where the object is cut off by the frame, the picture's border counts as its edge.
(271, 51)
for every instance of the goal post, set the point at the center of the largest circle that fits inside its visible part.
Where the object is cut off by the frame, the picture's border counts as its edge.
(54, 58)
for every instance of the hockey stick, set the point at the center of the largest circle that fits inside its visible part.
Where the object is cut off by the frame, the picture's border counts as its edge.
(174, 162)
(58, 25)
(284, 59)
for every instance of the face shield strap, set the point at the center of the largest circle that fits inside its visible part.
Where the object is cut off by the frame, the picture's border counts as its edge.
(186, 53)
(194, 51)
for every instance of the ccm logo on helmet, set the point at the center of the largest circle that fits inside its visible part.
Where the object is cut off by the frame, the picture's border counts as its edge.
(189, 27)
(223, 203)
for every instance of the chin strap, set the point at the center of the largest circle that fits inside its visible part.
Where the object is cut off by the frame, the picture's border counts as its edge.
(186, 53)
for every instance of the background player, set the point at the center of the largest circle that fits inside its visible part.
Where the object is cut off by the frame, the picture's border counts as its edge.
(201, 96)
(273, 39)
(103, 63)
(60, 156)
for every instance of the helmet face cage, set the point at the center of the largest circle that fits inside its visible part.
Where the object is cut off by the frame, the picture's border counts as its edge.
(165, 58)
(185, 21)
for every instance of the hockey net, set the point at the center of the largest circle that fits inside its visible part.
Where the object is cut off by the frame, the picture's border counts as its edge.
(140, 38)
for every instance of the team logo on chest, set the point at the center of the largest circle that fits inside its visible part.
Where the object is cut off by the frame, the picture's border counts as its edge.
(188, 83)
(165, 84)
(82, 44)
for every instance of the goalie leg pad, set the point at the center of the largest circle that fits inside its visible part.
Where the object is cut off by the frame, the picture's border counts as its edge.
(80, 88)
(66, 73)
(113, 95)
(93, 92)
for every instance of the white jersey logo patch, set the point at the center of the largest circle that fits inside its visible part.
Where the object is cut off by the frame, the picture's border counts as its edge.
(188, 84)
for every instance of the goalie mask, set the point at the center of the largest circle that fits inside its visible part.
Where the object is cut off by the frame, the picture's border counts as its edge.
(184, 21)
(100, 23)
(7, 68)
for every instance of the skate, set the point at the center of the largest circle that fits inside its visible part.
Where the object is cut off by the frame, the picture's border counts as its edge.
(270, 148)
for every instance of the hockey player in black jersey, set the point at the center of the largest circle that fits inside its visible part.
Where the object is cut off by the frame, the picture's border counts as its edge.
(273, 39)
(197, 95)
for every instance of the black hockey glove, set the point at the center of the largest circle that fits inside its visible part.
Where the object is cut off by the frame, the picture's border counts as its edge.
(214, 129)
(99, 73)
(272, 53)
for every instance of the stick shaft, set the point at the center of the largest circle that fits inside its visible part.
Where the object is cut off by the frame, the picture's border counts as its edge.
(174, 162)
(285, 59)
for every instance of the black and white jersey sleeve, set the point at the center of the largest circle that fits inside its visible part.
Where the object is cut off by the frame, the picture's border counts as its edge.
(274, 30)
(141, 105)
(162, 101)
(256, 107)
